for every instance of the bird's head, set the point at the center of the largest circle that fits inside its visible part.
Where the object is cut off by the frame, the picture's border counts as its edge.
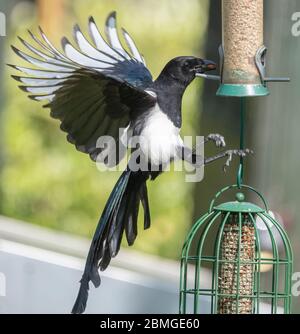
(185, 69)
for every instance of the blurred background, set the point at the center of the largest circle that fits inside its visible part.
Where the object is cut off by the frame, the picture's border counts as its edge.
(44, 181)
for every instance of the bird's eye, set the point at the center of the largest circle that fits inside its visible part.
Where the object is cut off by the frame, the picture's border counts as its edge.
(186, 64)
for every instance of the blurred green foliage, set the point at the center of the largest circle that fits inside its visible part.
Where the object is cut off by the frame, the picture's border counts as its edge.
(47, 182)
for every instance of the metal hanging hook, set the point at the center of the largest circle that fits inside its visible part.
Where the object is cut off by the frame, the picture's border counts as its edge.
(260, 61)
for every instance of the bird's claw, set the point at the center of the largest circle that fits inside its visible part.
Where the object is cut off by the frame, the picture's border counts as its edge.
(239, 153)
(218, 139)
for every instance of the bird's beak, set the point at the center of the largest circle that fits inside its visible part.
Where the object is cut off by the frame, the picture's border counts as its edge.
(207, 65)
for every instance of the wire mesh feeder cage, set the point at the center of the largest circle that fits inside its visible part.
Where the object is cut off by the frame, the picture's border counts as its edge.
(243, 279)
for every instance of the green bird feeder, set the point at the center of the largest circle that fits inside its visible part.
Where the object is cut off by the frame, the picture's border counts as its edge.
(223, 263)
(228, 240)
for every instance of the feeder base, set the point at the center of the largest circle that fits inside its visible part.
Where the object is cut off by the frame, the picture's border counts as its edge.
(240, 90)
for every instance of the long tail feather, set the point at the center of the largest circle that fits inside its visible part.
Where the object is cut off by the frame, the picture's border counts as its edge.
(145, 203)
(120, 214)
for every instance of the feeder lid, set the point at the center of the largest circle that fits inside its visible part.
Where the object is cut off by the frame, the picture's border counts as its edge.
(237, 206)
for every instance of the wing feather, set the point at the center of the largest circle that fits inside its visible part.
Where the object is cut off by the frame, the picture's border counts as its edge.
(89, 50)
(50, 45)
(83, 128)
(79, 107)
(42, 73)
(38, 81)
(45, 47)
(45, 90)
(132, 47)
(48, 65)
(100, 42)
(80, 58)
(93, 89)
(73, 123)
(42, 97)
(112, 35)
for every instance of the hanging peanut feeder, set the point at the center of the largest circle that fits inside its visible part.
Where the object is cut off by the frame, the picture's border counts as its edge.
(228, 240)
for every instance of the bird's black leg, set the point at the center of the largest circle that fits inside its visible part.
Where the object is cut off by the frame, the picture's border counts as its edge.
(188, 155)
(216, 138)
(229, 154)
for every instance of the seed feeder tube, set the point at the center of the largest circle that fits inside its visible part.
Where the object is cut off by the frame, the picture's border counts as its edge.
(236, 279)
(242, 37)
(242, 52)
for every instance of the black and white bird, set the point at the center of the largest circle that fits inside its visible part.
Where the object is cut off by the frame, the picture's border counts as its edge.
(100, 89)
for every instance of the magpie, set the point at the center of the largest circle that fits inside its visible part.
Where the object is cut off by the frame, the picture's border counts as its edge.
(99, 88)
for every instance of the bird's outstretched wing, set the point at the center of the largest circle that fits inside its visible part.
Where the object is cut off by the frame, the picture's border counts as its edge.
(93, 89)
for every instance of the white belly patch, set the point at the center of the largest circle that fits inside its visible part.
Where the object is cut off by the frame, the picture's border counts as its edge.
(160, 138)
